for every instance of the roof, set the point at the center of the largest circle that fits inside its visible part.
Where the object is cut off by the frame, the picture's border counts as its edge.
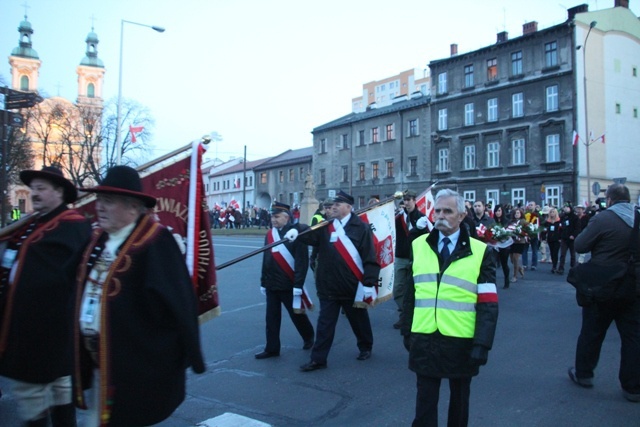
(612, 19)
(240, 167)
(299, 155)
(375, 112)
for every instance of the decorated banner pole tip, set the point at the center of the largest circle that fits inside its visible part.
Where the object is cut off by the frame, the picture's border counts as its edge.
(398, 195)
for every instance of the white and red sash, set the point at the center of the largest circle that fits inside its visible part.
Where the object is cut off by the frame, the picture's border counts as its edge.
(349, 253)
(281, 255)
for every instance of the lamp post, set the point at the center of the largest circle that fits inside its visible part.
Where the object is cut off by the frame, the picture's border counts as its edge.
(119, 108)
(586, 116)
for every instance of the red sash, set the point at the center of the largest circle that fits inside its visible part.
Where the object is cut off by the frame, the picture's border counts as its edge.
(281, 254)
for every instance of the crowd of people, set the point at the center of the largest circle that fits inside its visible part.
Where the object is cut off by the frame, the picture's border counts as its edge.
(232, 217)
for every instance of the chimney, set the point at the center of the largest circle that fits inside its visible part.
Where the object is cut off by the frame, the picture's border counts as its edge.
(572, 12)
(503, 36)
(622, 3)
(529, 28)
(454, 49)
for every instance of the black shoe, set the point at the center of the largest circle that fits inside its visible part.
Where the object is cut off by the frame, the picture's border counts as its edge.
(266, 355)
(553, 271)
(582, 382)
(308, 344)
(631, 397)
(560, 271)
(364, 355)
(397, 325)
(312, 366)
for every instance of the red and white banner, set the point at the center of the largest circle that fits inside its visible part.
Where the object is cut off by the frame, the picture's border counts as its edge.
(425, 204)
(382, 222)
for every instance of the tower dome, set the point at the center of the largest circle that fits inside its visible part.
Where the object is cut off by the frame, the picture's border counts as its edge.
(24, 48)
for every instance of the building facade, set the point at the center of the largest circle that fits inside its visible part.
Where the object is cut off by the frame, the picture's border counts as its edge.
(382, 93)
(282, 177)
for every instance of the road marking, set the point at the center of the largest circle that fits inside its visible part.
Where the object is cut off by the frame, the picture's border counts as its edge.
(229, 419)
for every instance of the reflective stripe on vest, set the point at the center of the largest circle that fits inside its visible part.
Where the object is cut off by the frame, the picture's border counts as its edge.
(447, 305)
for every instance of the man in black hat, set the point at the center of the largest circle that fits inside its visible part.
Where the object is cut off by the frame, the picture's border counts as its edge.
(406, 222)
(346, 258)
(284, 269)
(38, 269)
(136, 316)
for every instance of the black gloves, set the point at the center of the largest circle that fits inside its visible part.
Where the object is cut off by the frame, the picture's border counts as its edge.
(479, 355)
(406, 340)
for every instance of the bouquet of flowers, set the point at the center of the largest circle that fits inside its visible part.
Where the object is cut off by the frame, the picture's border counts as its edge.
(531, 230)
(496, 236)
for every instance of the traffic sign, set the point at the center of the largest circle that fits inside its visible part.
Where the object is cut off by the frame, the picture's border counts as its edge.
(14, 119)
(595, 187)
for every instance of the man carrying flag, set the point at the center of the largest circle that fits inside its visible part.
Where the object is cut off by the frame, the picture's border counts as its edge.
(284, 269)
(346, 260)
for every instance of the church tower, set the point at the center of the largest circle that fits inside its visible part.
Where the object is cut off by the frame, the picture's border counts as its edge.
(24, 61)
(90, 74)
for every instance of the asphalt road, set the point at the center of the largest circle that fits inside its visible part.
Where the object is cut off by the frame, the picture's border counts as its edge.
(525, 382)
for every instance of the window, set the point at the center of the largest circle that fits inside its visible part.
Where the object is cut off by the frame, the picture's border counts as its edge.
(517, 104)
(492, 110)
(91, 90)
(375, 135)
(516, 63)
(344, 141)
(323, 145)
(469, 157)
(390, 132)
(550, 54)
(492, 69)
(361, 137)
(345, 174)
(24, 82)
(250, 181)
(442, 119)
(280, 176)
(468, 114)
(552, 195)
(443, 160)
(518, 152)
(469, 195)
(517, 197)
(292, 175)
(361, 201)
(413, 127)
(493, 154)
(442, 83)
(413, 166)
(618, 108)
(553, 148)
(468, 76)
(263, 178)
(635, 112)
(361, 176)
(389, 168)
(375, 172)
(301, 174)
(552, 98)
(493, 195)
(323, 177)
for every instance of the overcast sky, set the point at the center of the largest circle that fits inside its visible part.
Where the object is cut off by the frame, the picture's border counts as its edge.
(261, 73)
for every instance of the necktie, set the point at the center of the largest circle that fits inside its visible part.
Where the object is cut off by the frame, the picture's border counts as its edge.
(445, 249)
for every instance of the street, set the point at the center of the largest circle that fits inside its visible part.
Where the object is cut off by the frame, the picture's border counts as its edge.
(525, 382)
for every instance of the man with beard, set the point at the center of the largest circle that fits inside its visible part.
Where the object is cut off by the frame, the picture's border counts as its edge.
(480, 217)
(36, 300)
(450, 311)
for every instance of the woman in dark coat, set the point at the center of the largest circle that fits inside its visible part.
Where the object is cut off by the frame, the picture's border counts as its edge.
(551, 235)
(503, 253)
(517, 219)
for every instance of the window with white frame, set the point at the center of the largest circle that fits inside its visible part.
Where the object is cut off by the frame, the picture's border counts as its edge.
(518, 151)
(552, 98)
(517, 104)
(493, 196)
(389, 168)
(375, 135)
(390, 133)
(469, 195)
(469, 157)
(518, 196)
(492, 110)
(361, 172)
(468, 114)
(442, 83)
(552, 146)
(413, 129)
(375, 170)
(443, 160)
(493, 154)
(552, 195)
(442, 119)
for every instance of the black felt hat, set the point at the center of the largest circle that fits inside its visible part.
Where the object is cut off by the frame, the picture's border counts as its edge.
(123, 181)
(343, 197)
(54, 175)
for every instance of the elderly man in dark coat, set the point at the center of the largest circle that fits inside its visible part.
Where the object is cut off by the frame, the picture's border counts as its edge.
(137, 325)
(36, 300)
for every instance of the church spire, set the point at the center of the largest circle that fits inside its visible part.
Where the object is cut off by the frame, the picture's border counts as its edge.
(25, 49)
(90, 73)
(24, 60)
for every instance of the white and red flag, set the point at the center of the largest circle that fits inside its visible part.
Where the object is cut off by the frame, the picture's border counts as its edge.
(425, 204)
(575, 138)
(133, 130)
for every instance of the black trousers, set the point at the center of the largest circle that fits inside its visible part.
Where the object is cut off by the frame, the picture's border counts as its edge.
(427, 401)
(327, 320)
(567, 244)
(596, 319)
(554, 248)
(274, 319)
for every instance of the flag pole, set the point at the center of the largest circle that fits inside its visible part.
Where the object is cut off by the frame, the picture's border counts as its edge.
(323, 223)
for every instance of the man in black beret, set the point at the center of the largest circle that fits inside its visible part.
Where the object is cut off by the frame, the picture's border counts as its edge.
(38, 269)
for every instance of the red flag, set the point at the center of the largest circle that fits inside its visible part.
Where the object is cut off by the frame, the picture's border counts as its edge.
(602, 138)
(133, 130)
(234, 204)
(575, 138)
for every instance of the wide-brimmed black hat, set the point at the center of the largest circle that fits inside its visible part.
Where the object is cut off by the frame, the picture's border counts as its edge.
(123, 181)
(343, 197)
(54, 175)
(277, 207)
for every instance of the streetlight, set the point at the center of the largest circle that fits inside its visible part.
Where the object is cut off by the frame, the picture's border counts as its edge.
(119, 108)
(586, 116)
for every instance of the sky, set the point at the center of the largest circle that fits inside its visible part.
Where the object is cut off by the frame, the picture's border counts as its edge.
(260, 73)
